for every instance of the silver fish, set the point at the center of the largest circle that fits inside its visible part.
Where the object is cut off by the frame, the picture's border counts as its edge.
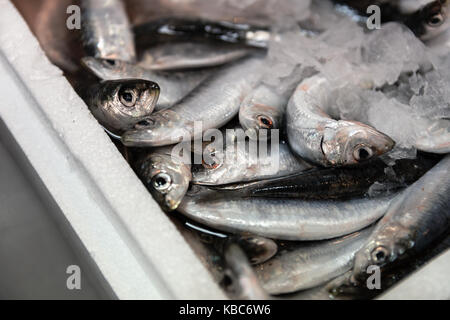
(117, 105)
(106, 30)
(258, 249)
(286, 219)
(265, 106)
(246, 284)
(235, 163)
(211, 105)
(166, 176)
(303, 266)
(187, 55)
(174, 85)
(435, 138)
(315, 136)
(412, 222)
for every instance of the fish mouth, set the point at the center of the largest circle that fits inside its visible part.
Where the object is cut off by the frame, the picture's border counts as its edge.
(387, 143)
(137, 138)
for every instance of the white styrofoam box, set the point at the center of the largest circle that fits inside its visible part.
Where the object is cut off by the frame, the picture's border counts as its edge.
(137, 249)
(431, 282)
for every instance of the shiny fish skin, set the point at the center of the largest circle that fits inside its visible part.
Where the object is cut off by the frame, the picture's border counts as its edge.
(165, 176)
(249, 167)
(286, 219)
(307, 265)
(106, 30)
(265, 106)
(413, 220)
(154, 31)
(174, 85)
(246, 283)
(335, 183)
(315, 136)
(436, 138)
(117, 105)
(186, 55)
(213, 103)
(258, 249)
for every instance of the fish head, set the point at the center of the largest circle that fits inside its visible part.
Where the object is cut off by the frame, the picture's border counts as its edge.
(435, 18)
(212, 168)
(389, 243)
(256, 117)
(351, 142)
(258, 249)
(118, 104)
(166, 177)
(162, 128)
(107, 69)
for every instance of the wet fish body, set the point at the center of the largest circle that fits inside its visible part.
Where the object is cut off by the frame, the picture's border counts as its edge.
(307, 265)
(286, 219)
(335, 183)
(186, 55)
(179, 29)
(246, 283)
(265, 106)
(246, 166)
(106, 30)
(413, 220)
(212, 104)
(315, 136)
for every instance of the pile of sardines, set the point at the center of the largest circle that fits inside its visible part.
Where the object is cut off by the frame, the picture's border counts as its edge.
(264, 148)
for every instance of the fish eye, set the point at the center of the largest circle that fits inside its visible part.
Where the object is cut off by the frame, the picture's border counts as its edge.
(161, 181)
(144, 123)
(127, 97)
(435, 20)
(379, 254)
(362, 153)
(265, 122)
(110, 62)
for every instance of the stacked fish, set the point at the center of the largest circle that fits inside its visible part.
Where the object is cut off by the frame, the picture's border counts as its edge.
(357, 122)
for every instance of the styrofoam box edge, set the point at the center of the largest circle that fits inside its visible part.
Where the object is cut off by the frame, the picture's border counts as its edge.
(135, 246)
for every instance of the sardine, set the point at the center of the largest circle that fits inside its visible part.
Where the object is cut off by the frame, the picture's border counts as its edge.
(265, 106)
(174, 85)
(257, 249)
(286, 219)
(335, 183)
(106, 30)
(117, 105)
(155, 31)
(435, 138)
(303, 266)
(166, 176)
(235, 163)
(187, 55)
(213, 103)
(412, 222)
(246, 284)
(315, 136)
